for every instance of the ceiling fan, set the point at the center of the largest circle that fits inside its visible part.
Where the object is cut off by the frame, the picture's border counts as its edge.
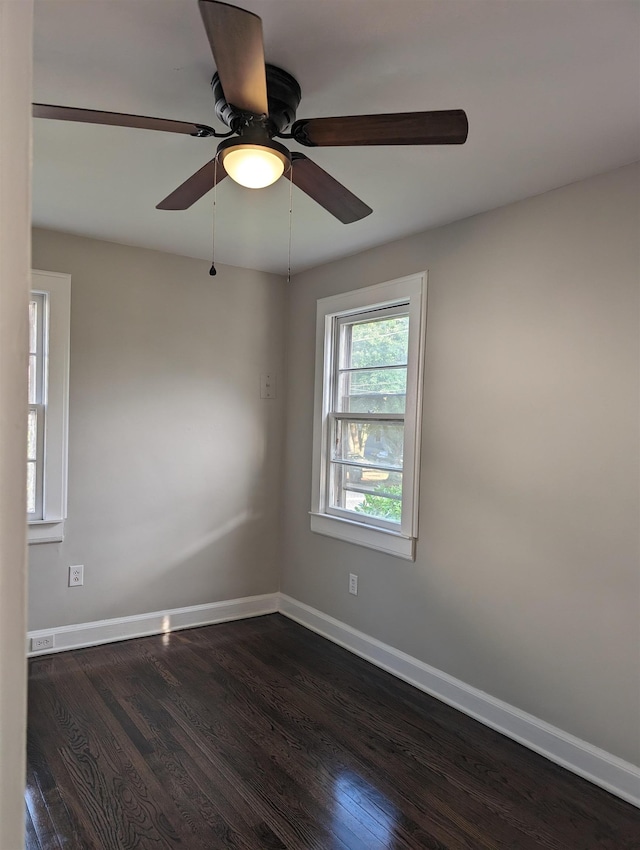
(258, 102)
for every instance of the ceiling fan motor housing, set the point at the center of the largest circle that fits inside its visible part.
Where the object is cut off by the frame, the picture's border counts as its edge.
(283, 95)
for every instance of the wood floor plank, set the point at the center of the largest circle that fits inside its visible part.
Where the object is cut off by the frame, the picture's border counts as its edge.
(179, 772)
(480, 775)
(31, 839)
(260, 734)
(42, 831)
(286, 751)
(88, 773)
(444, 819)
(313, 727)
(148, 812)
(182, 709)
(226, 691)
(56, 824)
(286, 803)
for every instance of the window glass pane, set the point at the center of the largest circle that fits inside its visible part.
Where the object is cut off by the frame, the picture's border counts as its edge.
(32, 439)
(379, 342)
(373, 443)
(33, 379)
(373, 391)
(33, 327)
(369, 491)
(31, 487)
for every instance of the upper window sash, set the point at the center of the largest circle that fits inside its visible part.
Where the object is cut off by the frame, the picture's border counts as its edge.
(38, 344)
(352, 369)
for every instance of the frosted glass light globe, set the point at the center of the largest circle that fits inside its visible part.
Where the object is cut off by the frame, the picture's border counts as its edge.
(253, 166)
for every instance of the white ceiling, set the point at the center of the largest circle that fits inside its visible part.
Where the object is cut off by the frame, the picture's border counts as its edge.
(551, 89)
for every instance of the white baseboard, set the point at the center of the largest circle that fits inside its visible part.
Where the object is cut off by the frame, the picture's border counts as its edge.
(598, 766)
(156, 622)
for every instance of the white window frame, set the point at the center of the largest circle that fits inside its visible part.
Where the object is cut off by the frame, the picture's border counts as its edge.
(410, 291)
(56, 288)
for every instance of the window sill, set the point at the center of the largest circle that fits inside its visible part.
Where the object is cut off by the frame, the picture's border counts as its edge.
(389, 542)
(45, 531)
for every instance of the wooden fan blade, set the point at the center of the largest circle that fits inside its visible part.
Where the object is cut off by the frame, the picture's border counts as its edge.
(446, 127)
(325, 190)
(118, 119)
(194, 187)
(235, 36)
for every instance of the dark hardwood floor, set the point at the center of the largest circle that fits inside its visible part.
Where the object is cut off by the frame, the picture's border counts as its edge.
(260, 734)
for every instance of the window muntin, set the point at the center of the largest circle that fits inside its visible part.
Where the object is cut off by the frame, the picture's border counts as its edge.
(370, 345)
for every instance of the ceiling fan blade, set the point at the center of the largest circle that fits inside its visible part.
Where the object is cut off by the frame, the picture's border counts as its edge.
(194, 187)
(446, 127)
(235, 36)
(118, 119)
(325, 190)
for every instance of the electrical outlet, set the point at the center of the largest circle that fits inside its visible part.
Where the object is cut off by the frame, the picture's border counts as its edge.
(76, 575)
(42, 642)
(353, 584)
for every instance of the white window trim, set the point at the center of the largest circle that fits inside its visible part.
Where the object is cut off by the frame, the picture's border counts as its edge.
(412, 290)
(50, 529)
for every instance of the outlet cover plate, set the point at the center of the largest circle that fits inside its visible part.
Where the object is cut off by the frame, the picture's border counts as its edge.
(39, 644)
(76, 575)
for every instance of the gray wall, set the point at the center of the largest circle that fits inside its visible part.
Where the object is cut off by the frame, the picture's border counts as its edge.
(174, 459)
(526, 583)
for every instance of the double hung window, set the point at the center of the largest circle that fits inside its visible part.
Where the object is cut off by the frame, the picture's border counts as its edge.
(366, 452)
(49, 324)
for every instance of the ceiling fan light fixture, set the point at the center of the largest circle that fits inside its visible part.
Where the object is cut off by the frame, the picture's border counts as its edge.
(254, 165)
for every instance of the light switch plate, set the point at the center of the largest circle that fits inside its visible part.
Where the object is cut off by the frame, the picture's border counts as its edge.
(268, 385)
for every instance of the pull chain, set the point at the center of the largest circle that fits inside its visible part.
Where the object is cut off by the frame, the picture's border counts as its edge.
(212, 270)
(290, 222)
